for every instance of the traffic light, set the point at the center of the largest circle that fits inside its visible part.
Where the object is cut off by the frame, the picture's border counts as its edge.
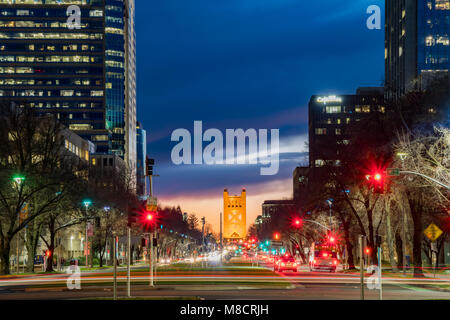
(276, 236)
(47, 253)
(297, 223)
(149, 163)
(377, 181)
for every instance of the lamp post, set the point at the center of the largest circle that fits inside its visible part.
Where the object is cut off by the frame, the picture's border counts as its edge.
(18, 179)
(86, 203)
(330, 203)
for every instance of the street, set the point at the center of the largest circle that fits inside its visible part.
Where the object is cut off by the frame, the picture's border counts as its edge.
(217, 283)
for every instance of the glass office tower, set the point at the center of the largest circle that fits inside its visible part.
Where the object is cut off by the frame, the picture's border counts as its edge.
(141, 150)
(80, 75)
(417, 47)
(433, 28)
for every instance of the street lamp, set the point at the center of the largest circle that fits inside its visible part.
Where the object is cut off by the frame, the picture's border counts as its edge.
(86, 204)
(330, 203)
(19, 179)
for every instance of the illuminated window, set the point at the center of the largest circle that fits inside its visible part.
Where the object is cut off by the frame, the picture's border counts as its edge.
(333, 109)
(321, 131)
(319, 163)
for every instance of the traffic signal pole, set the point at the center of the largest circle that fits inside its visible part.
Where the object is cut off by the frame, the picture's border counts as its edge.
(115, 268)
(151, 258)
(379, 273)
(361, 264)
(129, 264)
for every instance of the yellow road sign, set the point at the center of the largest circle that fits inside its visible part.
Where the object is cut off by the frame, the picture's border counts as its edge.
(433, 232)
(23, 213)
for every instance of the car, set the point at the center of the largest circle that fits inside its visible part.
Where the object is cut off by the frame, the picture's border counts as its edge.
(286, 262)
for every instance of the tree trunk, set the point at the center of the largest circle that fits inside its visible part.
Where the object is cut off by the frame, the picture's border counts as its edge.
(51, 248)
(32, 239)
(416, 207)
(4, 256)
(350, 258)
(399, 250)
(371, 242)
(348, 243)
(390, 240)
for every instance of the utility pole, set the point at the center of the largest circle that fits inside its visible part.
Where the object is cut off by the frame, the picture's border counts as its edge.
(361, 263)
(203, 237)
(151, 258)
(17, 254)
(405, 226)
(115, 267)
(221, 239)
(379, 273)
(129, 264)
(86, 241)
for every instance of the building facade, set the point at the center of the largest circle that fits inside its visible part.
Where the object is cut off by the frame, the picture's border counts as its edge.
(417, 43)
(271, 208)
(234, 216)
(141, 152)
(331, 119)
(85, 76)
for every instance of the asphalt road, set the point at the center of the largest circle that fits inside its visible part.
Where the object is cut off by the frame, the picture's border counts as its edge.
(303, 285)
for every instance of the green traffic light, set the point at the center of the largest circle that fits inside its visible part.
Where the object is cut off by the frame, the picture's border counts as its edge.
(87, 203)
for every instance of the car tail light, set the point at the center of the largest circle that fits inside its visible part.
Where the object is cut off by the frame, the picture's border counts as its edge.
(335, 261)
(295, 264)
(325, 255)
(314, 261)
(282, 264)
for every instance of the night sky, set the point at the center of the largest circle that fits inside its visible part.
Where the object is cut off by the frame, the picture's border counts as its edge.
(244, 64)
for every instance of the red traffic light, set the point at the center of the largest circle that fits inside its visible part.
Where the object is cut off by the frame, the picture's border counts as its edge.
(377, 177)
(332, 239)
(276, 236)
(149, 217)
(367, 250)
(47, 253)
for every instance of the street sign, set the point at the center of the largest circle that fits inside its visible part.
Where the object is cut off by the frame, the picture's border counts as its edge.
(23, 213)
(152, 204)
(276, 243)
(433, 232)
(393, 172)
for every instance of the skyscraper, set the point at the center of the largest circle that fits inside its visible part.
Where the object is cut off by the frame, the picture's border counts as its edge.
(86, 76)
(332, 121)
(141, 151)
(417, 43)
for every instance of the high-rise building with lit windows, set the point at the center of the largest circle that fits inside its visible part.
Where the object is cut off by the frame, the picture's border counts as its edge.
(86, 76)
(141, 152)
(417, 43)
(332, 119)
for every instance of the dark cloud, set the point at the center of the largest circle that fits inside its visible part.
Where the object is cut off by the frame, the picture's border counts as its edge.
(245, 64)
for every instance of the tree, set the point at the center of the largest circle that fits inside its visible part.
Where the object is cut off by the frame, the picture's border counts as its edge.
(30, 149)
(425, 152)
